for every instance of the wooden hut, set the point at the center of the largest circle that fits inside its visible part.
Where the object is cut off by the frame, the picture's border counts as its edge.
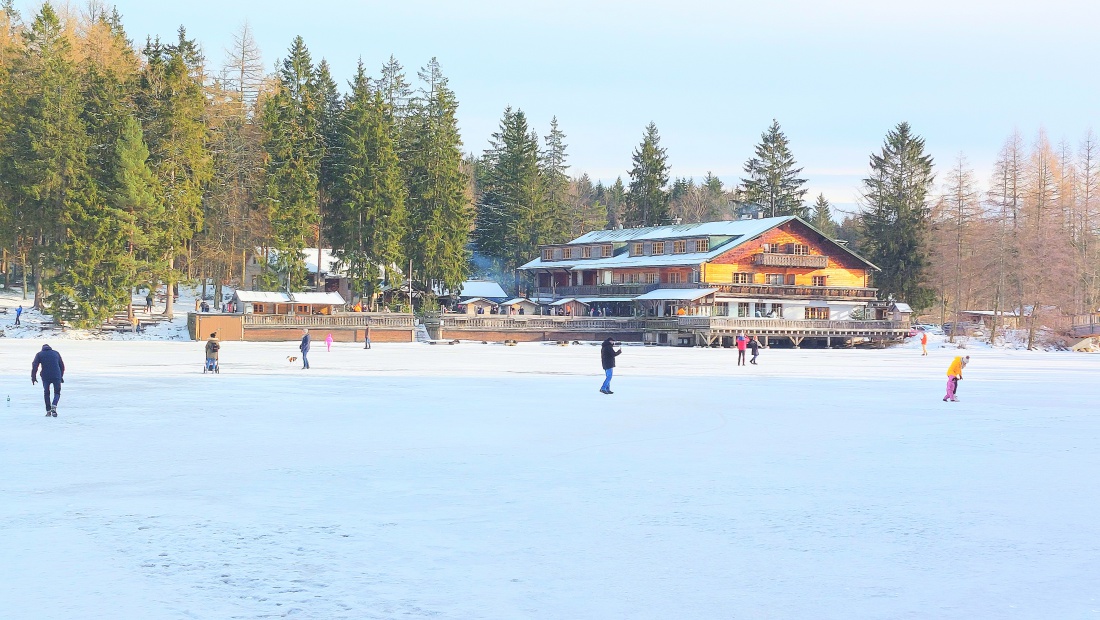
(519, 305)
(472, 305)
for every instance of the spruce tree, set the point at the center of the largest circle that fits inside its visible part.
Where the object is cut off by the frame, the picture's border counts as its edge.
(555, 187)
(173, 106)
(895, 222)
(293, 143)
(647, 199)
(512, 215)
(772, 183)
(440, 211)
(368, 221)
(823, 217)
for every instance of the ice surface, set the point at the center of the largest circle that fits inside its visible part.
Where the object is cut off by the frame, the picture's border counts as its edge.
(483, 481)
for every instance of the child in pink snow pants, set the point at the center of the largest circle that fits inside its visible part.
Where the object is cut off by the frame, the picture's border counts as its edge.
(328, 342)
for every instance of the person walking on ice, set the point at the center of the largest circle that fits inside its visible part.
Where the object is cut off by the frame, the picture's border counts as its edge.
(754, 345)
(304, 348)
(53, 373)
(954, 375)
(923, 342)
(212, 348)
(328, 342)
(607, 357)
(742, 342)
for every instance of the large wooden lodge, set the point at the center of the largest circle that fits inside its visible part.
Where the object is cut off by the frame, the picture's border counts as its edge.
(704, 283)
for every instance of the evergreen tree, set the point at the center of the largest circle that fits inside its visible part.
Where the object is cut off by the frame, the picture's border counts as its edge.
(647, 198)
(294, 148)
(136, 202)
(440, 200)
(555, 186)
(823, 217)
(173, 105)
(368, 222)
(45, 165)
(615, 200)
(894, 225)
(512, 215)
(772, 183)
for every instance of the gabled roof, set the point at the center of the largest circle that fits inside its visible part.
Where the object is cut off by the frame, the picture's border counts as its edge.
(518, 300)
(674, 294)
(318, 299)
(730, 234)
(263, 297)
(562, 302)
(482, 288)
(474, 300)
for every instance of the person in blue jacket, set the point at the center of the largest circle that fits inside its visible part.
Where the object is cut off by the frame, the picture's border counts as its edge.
(18, 311)
(304, 348)
(53, 373)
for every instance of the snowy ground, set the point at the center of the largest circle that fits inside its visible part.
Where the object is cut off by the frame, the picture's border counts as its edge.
(483, 481)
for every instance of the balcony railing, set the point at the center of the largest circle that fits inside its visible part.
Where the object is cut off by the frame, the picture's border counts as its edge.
(357, 319)
(540, 323)
(839, 293)
(793, 326)
(774, 259)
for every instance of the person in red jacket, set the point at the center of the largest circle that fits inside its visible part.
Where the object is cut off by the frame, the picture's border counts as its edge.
(742, 343)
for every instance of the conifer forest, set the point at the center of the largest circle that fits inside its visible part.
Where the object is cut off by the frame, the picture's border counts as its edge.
(144, 165)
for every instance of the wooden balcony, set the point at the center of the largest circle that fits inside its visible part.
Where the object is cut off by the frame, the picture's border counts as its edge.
(787, 327)
(775, 259)
(758, 291)
(537, 323)
(602, 290)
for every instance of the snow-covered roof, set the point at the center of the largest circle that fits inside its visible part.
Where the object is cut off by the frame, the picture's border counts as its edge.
(482, 288)
(990, 312)
(517, 300)
(328, 261)
(686, 294)
(318, 299)
(600, 300)
(562, 302)
(738, 228)
(724, 236)
(263, 297)
(901, 306)
(477, 300)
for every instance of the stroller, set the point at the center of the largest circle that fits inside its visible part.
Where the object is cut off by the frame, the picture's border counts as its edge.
(211, 364)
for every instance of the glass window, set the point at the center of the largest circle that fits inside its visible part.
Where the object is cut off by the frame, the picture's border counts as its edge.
(790, 279)
(637, 250)
(760, 310)
(586, 252)
(742, 278)
(743, 309)
(674, 277)
(608, 250)
(567, 253)
(679, 247)
(819, 280)
(776, 311)
(548, 254)
(773, 278)
(658, 247)
(817, 313)
(702, 245)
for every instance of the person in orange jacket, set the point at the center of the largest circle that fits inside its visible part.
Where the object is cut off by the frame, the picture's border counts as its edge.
(924, 343)
(954, 375)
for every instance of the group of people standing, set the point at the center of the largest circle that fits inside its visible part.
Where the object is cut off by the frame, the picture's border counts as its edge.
(743, 343)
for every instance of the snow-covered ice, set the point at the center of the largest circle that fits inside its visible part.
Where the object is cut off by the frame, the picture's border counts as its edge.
(483, 481)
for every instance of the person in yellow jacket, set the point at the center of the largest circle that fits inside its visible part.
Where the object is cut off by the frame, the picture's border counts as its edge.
(954, 375)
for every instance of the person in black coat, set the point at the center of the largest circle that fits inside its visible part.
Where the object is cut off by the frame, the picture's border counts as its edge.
(754, 346)
(53, 373)
(607, 356)
(304, 348)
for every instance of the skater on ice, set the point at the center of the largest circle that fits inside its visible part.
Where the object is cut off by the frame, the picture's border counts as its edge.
(53, 374)
(954, 375)
(607, 357)
(304, 348)
(924, 343)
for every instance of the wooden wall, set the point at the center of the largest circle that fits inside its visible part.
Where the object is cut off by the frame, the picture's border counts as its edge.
(841, 270)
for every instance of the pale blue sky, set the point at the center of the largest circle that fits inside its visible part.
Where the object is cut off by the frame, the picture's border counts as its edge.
(712, 75)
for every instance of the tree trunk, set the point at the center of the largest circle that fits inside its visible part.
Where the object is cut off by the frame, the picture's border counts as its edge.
(38, 305)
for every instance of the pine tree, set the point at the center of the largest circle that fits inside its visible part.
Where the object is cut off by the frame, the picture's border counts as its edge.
(555, 186)
(616, 203)
(440, 195)
(136, 201)
(823, 217)
(772, 183)
(294, 147)
(512, 215)
(647, 198)
(369, 220)
(895, 222)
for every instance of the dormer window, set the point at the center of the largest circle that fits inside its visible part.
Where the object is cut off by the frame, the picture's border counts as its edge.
(586, 251)
(608, 250)
(638, 249)
(658, 247)
(679, 247)
(567, 253)
(548, 254)
(702, 245)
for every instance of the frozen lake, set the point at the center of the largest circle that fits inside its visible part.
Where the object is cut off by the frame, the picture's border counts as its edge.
(483, 481)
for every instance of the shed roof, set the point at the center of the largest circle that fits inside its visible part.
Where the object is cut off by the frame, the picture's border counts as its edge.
(477, 300)
(562, 302)
(901, 306)
(517, 300)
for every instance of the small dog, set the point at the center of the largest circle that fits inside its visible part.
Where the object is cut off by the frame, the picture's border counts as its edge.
(291, 358)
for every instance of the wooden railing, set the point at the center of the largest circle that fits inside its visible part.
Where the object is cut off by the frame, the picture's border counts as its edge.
(1085, 325)
(839, 293)
(774, 259)
(540, 323)
(381, 320)
(789, 325)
